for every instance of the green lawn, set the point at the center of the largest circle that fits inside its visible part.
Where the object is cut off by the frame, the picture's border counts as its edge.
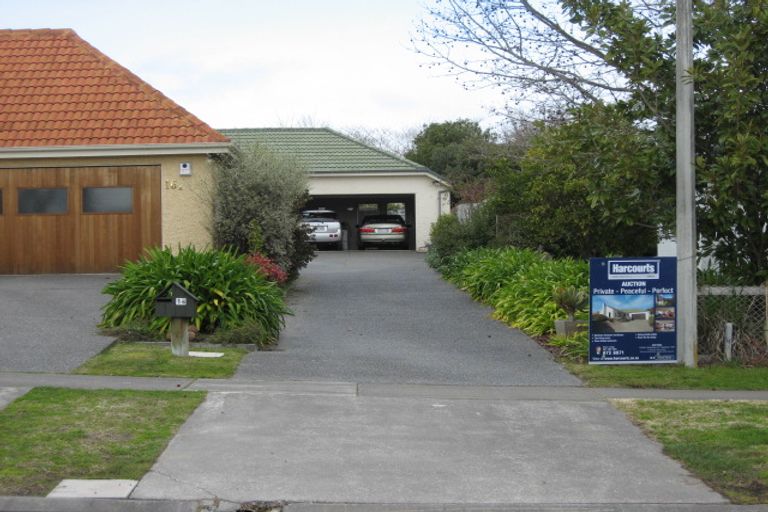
(50, 434)
(725, 443)
(671, 376)
(146, 360)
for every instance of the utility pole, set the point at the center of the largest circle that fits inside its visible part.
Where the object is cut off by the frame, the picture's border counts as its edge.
(686, 234)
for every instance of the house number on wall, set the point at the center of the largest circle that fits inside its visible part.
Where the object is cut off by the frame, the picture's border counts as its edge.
(172, 185)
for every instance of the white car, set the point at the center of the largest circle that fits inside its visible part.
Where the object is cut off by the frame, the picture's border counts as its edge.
(385, 230)
(324, 227)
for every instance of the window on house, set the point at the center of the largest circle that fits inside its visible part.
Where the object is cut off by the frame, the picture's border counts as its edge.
(107, 200)
(43, 200)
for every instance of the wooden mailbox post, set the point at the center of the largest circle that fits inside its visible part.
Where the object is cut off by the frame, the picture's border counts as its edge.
(178, 304)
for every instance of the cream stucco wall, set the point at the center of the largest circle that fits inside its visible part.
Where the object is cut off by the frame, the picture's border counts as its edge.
(187, 209)
(431, 196)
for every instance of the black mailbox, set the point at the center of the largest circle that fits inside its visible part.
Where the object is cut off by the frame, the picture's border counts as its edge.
(176, 302)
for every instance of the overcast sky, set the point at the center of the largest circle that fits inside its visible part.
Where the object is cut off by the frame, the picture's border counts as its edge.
(260, 63)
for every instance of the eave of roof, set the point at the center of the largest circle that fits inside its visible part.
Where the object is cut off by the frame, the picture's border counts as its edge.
(113, 150)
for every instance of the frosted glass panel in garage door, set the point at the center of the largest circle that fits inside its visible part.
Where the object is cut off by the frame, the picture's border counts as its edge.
(42, 200)
(107, 199)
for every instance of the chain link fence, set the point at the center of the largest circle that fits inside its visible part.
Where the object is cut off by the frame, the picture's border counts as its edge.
(746, 310)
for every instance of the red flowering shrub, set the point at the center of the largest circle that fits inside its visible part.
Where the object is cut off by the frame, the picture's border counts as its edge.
(269, 268)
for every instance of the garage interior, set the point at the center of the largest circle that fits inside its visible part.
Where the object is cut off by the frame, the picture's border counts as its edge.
(352, 208)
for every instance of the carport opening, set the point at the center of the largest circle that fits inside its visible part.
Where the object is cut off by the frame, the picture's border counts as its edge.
(351, 209)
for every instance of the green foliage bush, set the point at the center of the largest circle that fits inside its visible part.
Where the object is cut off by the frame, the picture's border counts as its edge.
(570, 299)
(526, 302)
(592, 186)
(574, 348)
(450, 236)
(231, 292)
(518, 283)
(488, 270)
(256, 209)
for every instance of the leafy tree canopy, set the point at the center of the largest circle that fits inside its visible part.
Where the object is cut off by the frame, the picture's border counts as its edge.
(458, 150)
(586, 187)
(581, 52)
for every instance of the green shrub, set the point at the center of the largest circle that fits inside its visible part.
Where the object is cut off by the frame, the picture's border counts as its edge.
(231, 292)
(486, 271)
(574, 347)
(449, 236)
(446, 240)
(258, 196)
(518, 283)
(570, 299)
(526, 301)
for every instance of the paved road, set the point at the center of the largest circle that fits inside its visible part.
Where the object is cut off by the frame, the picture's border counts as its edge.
(386, 317)
(48, 322)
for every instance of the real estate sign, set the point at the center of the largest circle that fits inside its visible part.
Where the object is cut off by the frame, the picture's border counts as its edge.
(632, 308)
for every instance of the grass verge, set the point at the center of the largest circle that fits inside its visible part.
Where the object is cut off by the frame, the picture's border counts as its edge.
(671, 376)
(50, 434)
(146, 360)
(725, 443)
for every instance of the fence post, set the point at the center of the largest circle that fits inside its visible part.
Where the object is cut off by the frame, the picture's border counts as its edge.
(765, 308)
(728, 341)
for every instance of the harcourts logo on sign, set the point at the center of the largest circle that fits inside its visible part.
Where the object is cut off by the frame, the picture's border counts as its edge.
(633, 269)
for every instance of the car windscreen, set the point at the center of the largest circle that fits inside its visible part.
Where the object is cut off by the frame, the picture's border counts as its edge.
(383, 219)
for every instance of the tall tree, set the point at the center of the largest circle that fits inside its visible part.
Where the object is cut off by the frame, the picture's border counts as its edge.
(586, 187)
(583, 51)
(458, 150)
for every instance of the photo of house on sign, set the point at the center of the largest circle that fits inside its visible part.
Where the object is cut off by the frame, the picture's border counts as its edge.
(623, 313)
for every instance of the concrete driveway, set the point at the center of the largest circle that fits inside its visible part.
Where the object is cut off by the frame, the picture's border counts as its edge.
(386, 317)
(48, 322)
(387, 320)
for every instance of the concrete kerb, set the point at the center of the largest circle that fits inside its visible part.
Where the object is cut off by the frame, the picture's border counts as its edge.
(29, 504)
(521, 507)
(36, 504)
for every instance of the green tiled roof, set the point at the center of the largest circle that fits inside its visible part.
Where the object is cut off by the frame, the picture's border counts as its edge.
(323, 150)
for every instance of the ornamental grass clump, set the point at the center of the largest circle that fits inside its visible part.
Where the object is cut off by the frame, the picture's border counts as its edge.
(230, 291)
(526, 302)
(489, 270)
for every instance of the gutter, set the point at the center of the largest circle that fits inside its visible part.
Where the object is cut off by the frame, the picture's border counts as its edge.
(110, 150)
(368, 173)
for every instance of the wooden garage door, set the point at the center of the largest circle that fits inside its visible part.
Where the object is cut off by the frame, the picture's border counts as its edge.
(77, 219)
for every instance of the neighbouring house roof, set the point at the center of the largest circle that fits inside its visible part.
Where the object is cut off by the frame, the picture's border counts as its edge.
(57, 90)
(322, 150)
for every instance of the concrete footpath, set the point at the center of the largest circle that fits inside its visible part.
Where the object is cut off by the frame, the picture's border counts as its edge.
(340, 446)
(11, 381)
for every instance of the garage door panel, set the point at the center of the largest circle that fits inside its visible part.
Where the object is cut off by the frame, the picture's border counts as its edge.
(75, 240)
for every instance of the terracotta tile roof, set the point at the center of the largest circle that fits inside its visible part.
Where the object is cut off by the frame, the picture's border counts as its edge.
(58, 90)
